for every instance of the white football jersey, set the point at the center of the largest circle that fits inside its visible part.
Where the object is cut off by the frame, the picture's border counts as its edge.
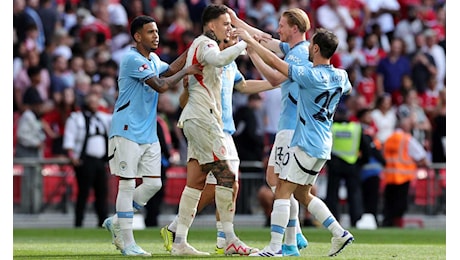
(204, 90)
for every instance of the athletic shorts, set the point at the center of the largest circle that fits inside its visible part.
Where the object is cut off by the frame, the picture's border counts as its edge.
(301, 168)
(280, 147)
(132, 160)
(234, 161)
(206, 142)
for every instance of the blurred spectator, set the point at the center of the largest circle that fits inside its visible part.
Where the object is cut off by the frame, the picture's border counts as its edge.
(421, 127)
(438, 137)
(86, 141)
(62, 44)
(336, 18)
(349, 151)
(370, 171)
(383, 13)
(384, 40)
(372, 50)
(54, 121)
(391, 69)
(361, 14)
(352, 58)
(408, 27)
(181, 23)
(61, 76)
(31, 70)
(249, 139)
(367, 86)
(384, 116)
(431, 98)
(34, 18)
(30, 143)
(423, 64)
(264, 13)
(50, 17)
(439, 56)
(82, 88)
(403, 154)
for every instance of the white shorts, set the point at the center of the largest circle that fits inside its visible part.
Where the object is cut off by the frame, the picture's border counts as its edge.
(130, 160)
(280, 147)
(205, 141)
(301, 168)
(234, 161)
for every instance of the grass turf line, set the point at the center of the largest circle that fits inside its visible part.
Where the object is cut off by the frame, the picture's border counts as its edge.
(384, 243)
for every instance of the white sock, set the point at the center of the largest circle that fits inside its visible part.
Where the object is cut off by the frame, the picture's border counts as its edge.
(124, 208)
(145, 191)
(226, 208)
(290, 233)
(173, 225)
(322, 213)
(220, 235)
(187, 210)
(279, 221)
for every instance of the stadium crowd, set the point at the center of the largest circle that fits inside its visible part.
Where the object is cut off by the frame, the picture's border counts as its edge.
(393, 50)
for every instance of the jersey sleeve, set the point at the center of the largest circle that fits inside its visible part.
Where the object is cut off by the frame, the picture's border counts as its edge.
(211, 53)
(139, 69)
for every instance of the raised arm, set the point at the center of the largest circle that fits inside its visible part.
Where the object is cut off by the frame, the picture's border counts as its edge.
(253, 86)
(273, 76)
(267, 56)
(265, 38)
(162, 84)
(176, 65)
(219, 58)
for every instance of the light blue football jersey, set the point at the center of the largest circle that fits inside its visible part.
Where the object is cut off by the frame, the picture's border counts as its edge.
(135, 111)
(230, 77)
(320, 90)
(297, 55)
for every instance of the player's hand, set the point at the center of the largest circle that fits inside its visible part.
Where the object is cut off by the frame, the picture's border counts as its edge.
(262, 37)
(194, 69)
(244, 35)
(232, 14)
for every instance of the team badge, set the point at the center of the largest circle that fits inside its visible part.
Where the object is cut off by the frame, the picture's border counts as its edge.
(143, 67)
(123, 165)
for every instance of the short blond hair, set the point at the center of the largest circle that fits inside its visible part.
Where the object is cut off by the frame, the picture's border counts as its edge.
(296, 16)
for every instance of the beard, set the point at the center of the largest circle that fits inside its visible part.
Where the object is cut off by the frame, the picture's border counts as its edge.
(310, 57)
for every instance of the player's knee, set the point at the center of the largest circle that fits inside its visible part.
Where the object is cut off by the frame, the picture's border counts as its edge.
(152, 184)
(126, 184)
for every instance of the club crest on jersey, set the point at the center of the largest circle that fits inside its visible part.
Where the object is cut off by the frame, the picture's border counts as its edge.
(143, 67)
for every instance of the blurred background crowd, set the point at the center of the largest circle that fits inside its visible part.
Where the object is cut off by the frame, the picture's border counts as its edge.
(68, 49)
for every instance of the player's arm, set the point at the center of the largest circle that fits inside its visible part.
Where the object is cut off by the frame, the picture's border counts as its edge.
(253, 86)
(266, 55)
(176, 65)
(273, 76)
(218, 58)
(264, 38)
(183, 98)
(162, 84)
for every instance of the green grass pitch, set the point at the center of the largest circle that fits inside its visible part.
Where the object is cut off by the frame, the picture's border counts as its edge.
(384, 243)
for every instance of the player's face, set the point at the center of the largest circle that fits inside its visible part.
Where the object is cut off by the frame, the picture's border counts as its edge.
(149, 36)
(284, 30)
(232, 40)
(223, 27)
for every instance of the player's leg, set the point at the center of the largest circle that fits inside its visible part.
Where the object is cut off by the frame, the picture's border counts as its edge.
(187, 209)
(124, 162)
(312, 166)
